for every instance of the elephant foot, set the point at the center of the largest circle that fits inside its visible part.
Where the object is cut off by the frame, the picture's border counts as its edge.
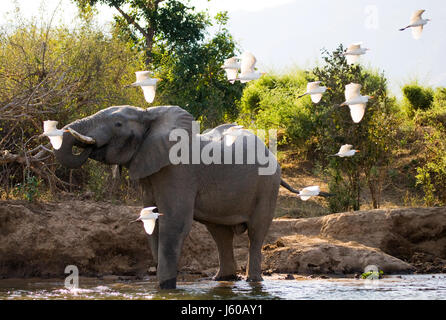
(255, 278)
(169, 284)
(231, 277)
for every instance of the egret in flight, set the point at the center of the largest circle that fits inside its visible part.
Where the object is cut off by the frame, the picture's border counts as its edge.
(309, 192)
(247, 68)
(56, 135)
(148, 217)
(315, 91)
(147, 84)
(355, 101)
(346, 151)
(417, 24)
(231, 66)
(354, 52)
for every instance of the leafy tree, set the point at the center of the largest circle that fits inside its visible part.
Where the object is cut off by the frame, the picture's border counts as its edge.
(177, 47)
(373, 136)
(417, 98)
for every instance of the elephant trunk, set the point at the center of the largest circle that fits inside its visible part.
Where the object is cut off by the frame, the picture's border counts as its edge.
(65, 154)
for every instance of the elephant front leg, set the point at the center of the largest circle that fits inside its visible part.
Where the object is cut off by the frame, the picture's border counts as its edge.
(173, 229)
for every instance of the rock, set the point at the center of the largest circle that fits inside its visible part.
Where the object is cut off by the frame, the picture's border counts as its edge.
(289, 277)
(41, 239)
(313, 255)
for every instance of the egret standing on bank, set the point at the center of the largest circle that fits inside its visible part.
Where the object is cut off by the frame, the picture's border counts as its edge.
(355, 101)
(315, 91)
(417, 24)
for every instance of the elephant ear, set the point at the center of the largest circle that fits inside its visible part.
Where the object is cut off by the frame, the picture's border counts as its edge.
(153, 154)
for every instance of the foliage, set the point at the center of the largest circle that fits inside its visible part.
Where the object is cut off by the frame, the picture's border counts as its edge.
(272, 103)
(29, 189)
(417, 98)
(373, 275)
(373, 136)
(431, 174)
(174, 38)
(59, 74)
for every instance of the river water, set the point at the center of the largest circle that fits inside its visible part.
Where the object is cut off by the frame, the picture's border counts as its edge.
(404, 287)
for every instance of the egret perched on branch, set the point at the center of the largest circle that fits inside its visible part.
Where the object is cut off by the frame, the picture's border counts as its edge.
(315, 91)
(355, 101)
(247, 68)
(147, 84)
(417, 24)
(148, 216)
(231, 66)
(354, 52)
(346, 151)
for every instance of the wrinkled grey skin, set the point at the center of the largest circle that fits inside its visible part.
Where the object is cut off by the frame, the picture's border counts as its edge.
(228, 198)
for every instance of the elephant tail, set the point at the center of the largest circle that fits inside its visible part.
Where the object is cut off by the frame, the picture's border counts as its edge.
(290, 188)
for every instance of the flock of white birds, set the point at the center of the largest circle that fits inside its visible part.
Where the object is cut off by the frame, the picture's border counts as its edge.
(242, 68)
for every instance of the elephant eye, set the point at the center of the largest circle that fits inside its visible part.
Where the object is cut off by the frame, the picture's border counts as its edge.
(118, 124)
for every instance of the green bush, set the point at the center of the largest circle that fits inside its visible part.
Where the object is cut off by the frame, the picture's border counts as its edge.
(417, 98)
(271, 103)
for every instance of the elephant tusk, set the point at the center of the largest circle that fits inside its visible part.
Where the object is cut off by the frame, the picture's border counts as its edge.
(81, 137)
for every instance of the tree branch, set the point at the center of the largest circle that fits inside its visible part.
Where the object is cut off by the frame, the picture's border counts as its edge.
(132, 21)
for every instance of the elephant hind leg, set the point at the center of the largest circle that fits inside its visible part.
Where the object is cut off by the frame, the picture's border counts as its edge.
(223, 237)
(258, 227)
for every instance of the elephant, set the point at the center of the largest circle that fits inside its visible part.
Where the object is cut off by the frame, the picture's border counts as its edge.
(227, 198)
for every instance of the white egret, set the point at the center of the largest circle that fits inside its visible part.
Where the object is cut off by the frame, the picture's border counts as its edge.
(231, 66)
(354, 52)
(148, 217)
(417, 24)
(56, 135)
(309, 192)
(346, 151)
(355, 101)
(315, 91)
(231, 134)
(147, 84)
(247, 68)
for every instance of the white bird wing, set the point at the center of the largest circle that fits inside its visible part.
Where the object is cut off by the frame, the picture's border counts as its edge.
(352, 58)
(229, 140)
(149, 225)
(357, 112)
(309, 192)
(352, 90)
(416, 16)
(311, 86)
(316, 98)
(416, 32)
(354, 46)
(149, 93)
(56, 141)
(231, 74)
(248, 63)
(49, 126)
(345, 148)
